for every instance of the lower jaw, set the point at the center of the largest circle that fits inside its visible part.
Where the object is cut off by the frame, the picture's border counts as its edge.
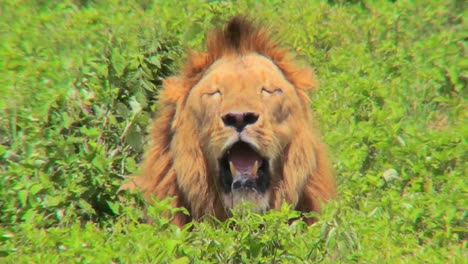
(251, 199)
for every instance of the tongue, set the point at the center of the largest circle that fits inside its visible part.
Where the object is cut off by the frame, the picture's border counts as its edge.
(243, 158)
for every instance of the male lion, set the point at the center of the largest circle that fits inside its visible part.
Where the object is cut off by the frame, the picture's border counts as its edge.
(235, 126)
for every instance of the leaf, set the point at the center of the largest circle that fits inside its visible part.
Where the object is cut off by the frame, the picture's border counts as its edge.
(182, 260)
(3, 150)
(115, 207)
(122, 110)
(390, 175)
(53, 201)
(135, 106)
(141, 99)
(331, 238)
(35, 188)
(6, 235)
(100, 163)
(118, 62)
(134, 139)
(86, 207)
(155, 60)
(22, 197)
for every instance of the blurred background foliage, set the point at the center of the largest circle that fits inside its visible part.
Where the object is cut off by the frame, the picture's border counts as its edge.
(78, 90)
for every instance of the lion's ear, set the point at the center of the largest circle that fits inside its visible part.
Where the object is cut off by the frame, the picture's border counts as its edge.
(196, 63)
(305, 82)
(173, 90)
(177, 88)
(302, 78)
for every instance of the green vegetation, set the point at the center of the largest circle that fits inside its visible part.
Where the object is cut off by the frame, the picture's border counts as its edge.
(78, 87)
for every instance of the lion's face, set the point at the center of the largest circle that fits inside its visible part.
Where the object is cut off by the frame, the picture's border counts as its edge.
(245, 113)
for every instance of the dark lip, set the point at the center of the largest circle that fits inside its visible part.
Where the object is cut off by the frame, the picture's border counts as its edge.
(263, 180)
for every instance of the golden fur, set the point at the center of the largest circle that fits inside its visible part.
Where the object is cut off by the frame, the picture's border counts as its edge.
(242, 70)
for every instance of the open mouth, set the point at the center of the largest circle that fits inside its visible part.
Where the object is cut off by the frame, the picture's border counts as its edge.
(242, 168)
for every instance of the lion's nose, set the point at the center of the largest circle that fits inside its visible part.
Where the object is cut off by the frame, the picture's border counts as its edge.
(240, 120)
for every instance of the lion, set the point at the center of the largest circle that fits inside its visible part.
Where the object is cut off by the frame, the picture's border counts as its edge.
(235, 126)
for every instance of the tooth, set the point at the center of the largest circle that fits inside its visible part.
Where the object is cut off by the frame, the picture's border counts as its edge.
(254, 170)
(233, 169)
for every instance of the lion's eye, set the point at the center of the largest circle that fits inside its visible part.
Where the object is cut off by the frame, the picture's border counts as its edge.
(214, 94)
(270, 92)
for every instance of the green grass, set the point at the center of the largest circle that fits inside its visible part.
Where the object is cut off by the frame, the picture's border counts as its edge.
(78, 87)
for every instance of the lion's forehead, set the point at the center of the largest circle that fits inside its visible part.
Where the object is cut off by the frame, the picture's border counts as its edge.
(243, 72)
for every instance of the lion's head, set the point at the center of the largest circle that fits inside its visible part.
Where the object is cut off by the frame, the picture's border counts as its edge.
(235, 126)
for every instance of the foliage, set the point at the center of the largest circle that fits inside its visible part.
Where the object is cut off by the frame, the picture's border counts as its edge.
(79, 83)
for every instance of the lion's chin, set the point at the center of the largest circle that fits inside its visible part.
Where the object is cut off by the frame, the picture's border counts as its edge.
(257, 202)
